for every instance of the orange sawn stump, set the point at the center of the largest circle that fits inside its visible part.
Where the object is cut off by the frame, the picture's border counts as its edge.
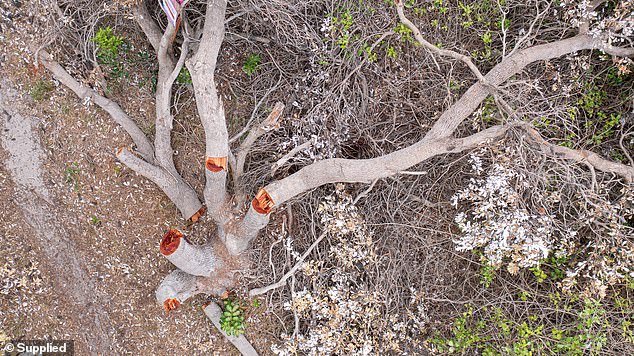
(263, 203)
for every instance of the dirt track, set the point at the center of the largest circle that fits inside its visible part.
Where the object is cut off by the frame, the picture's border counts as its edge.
(30, 194)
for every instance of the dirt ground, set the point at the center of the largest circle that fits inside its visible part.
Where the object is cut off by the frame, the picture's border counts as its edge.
(79, 233)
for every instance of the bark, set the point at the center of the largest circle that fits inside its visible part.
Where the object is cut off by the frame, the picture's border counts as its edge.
(175, 289)
(148, 25)
(209, 104)
(164, 118)
(196, 260)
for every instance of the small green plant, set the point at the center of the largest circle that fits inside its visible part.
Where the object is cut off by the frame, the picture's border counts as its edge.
(487, 275)
(232, 320)
(107, 43)
(72, 175)
(94, 220)
(252, 64)
(404, 32)
(184, 77)
(41, 90)
(341, 27)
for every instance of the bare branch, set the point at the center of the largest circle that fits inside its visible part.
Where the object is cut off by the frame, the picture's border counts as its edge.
(280, 162)
(439, 51)
(164, 117)
(589, 158)
(143, 145)
(269, 123)
(282, 281)
(210, 108)
(513, 64)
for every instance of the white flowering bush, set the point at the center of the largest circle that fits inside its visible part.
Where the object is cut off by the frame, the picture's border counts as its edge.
(339, 313)
(504, 214)
(497, 221)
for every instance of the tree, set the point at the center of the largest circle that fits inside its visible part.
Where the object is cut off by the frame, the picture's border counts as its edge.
(208, 268)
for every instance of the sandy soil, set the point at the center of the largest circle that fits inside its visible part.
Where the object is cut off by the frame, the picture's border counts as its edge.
(79, 232)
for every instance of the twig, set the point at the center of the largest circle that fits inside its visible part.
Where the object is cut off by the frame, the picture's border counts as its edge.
(290, 155)
(282, 281)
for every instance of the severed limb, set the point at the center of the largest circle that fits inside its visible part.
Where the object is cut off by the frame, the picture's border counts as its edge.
(195, 260)
(210, 109)
(175, 289)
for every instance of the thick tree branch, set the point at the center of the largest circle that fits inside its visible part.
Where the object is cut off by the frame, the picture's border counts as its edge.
(210, 108)
(176, 288)
(148, 25)
(512, 65)
(164, 118)
(143, 145)
(197, 260)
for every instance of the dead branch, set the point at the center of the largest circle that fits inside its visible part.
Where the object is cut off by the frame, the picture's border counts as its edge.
(439, 51)
(256, 132)
(592, 159)
(291, 272)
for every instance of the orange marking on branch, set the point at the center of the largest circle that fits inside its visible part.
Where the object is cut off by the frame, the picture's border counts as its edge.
(198, 214)
(171, 241)
(171, 304)
(120, 151)
(216, 164)
(263, 203)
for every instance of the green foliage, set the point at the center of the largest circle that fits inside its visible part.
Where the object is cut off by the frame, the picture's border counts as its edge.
(41, 90)
(108, 51)
(94, 220)
(107, 42)
(341, 23)
(497, 332)
(251, 64)
(71, 175)
(487, 275)
(232, 320)
(404, 32)
(184, 77)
